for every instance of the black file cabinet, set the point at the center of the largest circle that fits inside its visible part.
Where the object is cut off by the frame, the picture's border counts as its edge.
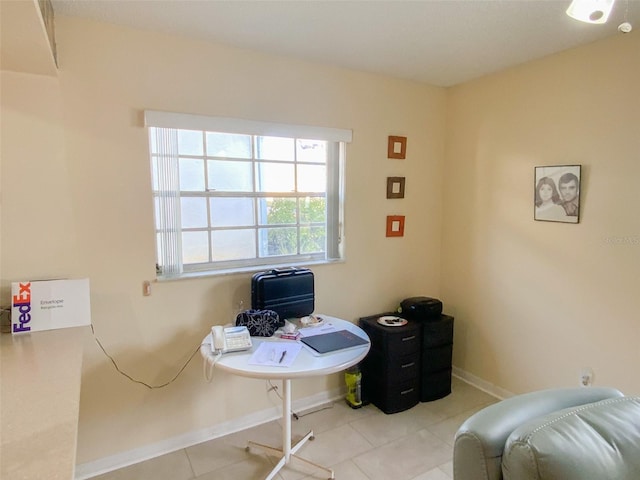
(437, 350)
(391, 370)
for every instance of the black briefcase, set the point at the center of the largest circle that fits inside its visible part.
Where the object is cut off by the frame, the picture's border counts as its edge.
(287, 291)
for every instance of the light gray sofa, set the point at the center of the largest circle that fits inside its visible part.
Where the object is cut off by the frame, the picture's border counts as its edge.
(560, 434)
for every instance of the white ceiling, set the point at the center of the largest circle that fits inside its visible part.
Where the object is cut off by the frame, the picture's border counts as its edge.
(440, 42)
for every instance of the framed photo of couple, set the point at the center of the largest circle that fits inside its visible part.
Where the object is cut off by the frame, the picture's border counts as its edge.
(557, 194)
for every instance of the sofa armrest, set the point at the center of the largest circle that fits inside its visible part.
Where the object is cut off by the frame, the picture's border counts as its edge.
(480, 440)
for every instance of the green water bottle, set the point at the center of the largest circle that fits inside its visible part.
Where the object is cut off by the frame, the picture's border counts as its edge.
(353, 379)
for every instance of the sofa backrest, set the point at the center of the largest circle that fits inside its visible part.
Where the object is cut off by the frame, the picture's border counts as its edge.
(589, 442)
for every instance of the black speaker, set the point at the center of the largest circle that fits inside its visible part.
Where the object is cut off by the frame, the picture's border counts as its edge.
(421, 308)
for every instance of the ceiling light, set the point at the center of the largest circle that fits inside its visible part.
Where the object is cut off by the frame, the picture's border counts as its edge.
(625, 27)
(590, 11)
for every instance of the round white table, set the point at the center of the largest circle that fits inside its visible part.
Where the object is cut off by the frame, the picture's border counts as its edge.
(307, 363)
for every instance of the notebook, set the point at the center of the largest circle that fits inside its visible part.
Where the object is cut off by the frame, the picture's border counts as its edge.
(329, 342)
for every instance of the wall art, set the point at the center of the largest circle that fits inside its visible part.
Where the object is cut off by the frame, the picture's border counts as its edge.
(397, 147)
(395, 225)
(557, 194)
(395, 187)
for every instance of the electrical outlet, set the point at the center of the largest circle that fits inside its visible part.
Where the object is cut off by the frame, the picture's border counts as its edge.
(586, 376)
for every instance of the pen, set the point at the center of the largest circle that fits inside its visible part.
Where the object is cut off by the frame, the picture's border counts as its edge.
(282, 356)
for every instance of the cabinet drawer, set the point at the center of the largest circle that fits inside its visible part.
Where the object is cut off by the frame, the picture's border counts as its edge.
(403, 343)
(435, 385)
(398, 398)
(404, 368)
(438, 332)
(392, 341)
(435, 359)
(392, 370)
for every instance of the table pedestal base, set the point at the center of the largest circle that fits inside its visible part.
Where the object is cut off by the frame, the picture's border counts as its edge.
(287, 451)
(292, 454)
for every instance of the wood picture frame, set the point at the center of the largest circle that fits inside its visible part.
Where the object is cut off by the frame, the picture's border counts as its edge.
(395, 187)
(395, 226)
(397, 147)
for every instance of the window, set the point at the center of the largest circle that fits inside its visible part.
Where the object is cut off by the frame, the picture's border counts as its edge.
(233, 194)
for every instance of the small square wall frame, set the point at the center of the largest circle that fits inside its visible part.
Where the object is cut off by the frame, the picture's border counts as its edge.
(397, 147)
(395, 226)
(395, 187)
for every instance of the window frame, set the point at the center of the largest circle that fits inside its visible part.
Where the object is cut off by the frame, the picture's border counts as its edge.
(168, 200)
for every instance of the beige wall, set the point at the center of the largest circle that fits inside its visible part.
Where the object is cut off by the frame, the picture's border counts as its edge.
(534, 301)
(537, 301)
(77, 202)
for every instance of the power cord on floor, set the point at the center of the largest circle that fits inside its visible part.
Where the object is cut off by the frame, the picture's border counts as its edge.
(329, 406)
(134, 380)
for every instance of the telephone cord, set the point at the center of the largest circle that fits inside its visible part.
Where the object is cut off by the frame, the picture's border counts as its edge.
(134, 380)
(209, 363)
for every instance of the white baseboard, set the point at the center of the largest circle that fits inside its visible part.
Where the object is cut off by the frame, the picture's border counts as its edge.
(481, 384)
(124, 459)
(147, 452)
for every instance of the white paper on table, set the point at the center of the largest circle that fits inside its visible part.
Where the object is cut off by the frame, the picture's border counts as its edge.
(275, 354)
(310, 331)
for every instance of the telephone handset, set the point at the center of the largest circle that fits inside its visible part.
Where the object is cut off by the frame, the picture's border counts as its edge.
(230, 339)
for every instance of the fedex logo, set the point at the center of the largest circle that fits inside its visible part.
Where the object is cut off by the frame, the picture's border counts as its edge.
(22, 302)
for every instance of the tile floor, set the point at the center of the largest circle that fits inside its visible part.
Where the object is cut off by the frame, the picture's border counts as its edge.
(361, 444)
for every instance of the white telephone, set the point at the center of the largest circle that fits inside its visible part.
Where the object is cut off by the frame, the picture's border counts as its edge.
(230, 339)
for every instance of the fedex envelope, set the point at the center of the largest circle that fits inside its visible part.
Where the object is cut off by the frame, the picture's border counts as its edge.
(49, 304)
